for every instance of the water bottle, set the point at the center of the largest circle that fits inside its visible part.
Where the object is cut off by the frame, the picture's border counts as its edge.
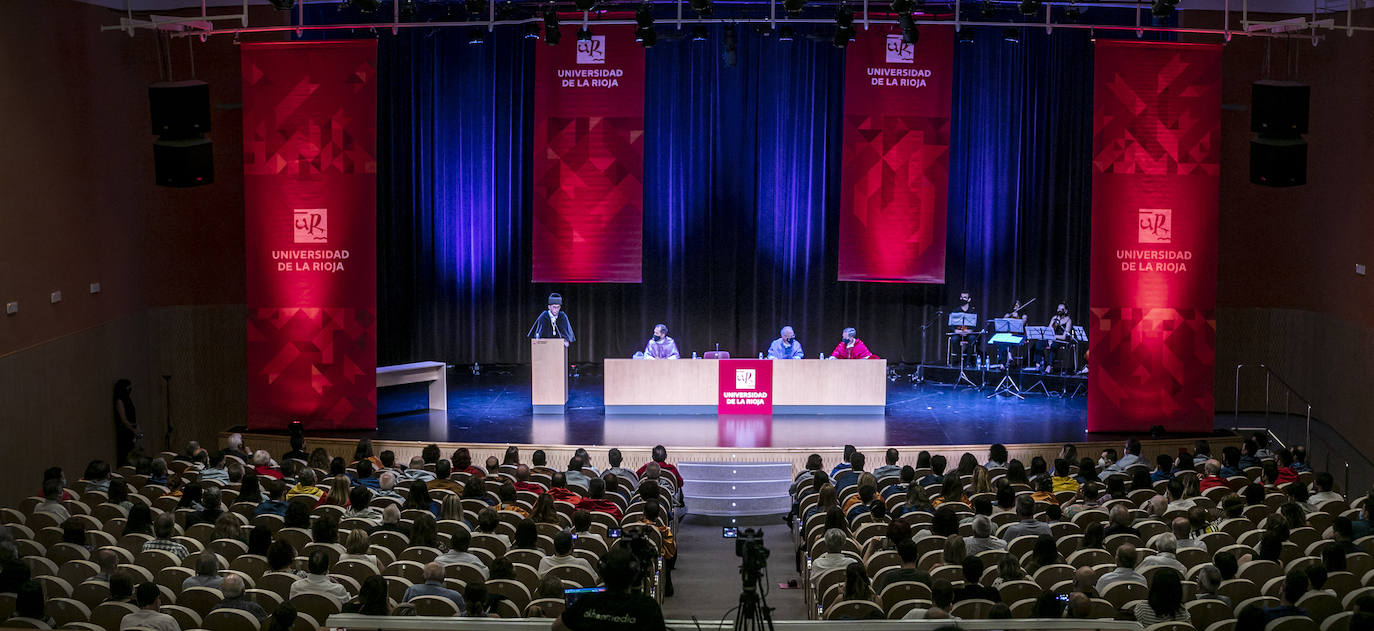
(694, 354)
(821, 355)
(760, 355)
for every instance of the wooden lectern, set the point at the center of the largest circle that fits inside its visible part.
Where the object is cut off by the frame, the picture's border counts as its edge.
(548, 375)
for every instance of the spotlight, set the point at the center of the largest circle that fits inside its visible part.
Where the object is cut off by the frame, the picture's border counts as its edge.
(551, 32)
(584, 34)
(731, 40)
(645, 33)
(699, 33)
(785, 33)
(646, 37)
(478, 36)
(1072, 13)
(1163, 8)
(702, 7)
(910, 35)
(1029, 7)
(531, 31)
(903, 6)
(1011, 34)
(283, 5)
(793, 6)
(477, 9)
(584, 5)
(407, 10)
(844, 26)
(966, 35)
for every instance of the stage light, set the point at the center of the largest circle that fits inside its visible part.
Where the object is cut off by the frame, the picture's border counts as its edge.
(966, 35)
(699, 33)
(531, 31)
(731, 41)
(551, 33)
(785, 33)
(910, 34)
(1029, 7)
(793, 6)
(702, 7)
(1012, 34)
(844, 26)
(283, 5)
(367, 5)
(1072, 13)
(584, 34)
(478, 36)
(1163, 8)
(646, 37)
(645, 33)
(477, 9)
(903, 6)
(584, 5)
(407, 10)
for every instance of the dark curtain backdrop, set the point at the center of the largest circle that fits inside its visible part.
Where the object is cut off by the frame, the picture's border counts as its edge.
(741, 175)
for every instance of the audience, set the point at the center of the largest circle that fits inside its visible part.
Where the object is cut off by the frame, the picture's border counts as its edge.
(1126, 558)
(317, 580)
(434, 586)
(233, 590)
(148, 598)
(207, 572)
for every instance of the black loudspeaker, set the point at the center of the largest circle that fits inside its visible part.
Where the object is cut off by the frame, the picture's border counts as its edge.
(183, 163)
(179, 109)
(1278, 162)
(1279, 108)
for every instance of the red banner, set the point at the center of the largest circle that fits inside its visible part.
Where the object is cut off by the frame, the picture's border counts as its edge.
(745, 386)
(589, 158)
(310, 216)
(895, 175)
(1156, 171)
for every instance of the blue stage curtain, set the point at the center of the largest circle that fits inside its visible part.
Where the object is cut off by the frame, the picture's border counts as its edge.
(741, 176)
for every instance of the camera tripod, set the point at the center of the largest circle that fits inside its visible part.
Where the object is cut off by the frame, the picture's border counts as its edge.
(754, 614)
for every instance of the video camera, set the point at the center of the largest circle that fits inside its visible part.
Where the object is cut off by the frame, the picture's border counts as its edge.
(749, 547)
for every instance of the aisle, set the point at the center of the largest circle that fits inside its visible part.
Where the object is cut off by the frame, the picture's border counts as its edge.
(707, 580)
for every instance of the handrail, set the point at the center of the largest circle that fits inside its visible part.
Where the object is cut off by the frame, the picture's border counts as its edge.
(1289, 393)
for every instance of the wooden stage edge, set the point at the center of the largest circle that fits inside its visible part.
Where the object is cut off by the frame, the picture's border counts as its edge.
(635, 455)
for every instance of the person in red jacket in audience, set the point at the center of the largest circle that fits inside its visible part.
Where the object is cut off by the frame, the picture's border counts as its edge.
(660, 455)
(522, 481)
(1285, 462)
(851, 347)
(560, 492)
(596, 499)
(1211, 476)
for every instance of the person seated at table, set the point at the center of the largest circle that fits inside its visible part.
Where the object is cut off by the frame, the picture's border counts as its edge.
(786, 346)
(851, 347)
(660, 346)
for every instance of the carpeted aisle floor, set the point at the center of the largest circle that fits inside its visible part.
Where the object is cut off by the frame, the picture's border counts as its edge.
(707, 581)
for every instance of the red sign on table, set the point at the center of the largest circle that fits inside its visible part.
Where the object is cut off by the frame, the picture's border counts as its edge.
(745, 386)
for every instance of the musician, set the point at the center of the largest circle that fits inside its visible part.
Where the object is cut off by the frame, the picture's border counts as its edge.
(553, 323)
(967, 343)
(1016, 312)
(851, 347)
(1062, 325)
(1005, 354)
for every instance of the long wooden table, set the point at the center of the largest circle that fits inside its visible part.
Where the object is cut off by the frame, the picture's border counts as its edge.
(800, 386)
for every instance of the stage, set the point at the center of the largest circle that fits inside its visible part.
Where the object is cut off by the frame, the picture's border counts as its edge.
(494, 407)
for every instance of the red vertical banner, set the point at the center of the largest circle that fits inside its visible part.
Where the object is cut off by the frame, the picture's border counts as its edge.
(589, 158)
(894, 177)
(310, 217)
(745, 386)
(1156, 171)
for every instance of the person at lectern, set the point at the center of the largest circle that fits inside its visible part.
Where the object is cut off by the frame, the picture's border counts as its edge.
(786, 346)
(660, 346)
(851, 347)
(553, 323)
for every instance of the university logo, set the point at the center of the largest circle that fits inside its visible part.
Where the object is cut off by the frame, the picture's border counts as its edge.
(899, 52)
(1155, 225)
(592, 51)
(744, 379)
(311, 225)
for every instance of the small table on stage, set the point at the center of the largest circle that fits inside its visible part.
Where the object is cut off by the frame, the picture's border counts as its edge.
(800, 386)
(418, 372)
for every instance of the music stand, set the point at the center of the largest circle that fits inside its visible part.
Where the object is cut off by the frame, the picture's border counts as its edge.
(1044, 334)
(1007, 332)
(960, 319)
(1080, 336)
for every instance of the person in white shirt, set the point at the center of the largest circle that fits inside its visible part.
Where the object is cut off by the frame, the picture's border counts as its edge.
(1126, 557)
(52, 501)
(417, 470)
(1323, 483)
(1167, 547)
(562, 555)
(317, 581)
(458, 553)
(834, 558)
(386, 485)
(149, 598)
(1131, 457)
(215, 471)
(982, 538)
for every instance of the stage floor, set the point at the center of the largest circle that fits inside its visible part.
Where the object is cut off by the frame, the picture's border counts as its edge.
(495, 408)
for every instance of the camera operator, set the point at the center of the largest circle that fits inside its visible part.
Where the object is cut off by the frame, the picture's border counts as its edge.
(617, 607)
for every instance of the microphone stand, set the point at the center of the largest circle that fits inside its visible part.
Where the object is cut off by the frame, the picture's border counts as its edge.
(919, 377)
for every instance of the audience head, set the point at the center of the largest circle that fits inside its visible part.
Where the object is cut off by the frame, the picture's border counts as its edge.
(937, 464)
(619, 569)
(1226, 564)
(147, 596)
(207, 564)
(955, 550)
(1166, 592)
(1294, 586)
(232, 587)
(834, 540)
(1126, 556)
(121, 587)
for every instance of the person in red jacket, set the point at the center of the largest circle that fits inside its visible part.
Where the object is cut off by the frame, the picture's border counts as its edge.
(851, 347)
(596, 499)
(522, 481)
(1211, 476)
(660, 455)
(559, 489)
